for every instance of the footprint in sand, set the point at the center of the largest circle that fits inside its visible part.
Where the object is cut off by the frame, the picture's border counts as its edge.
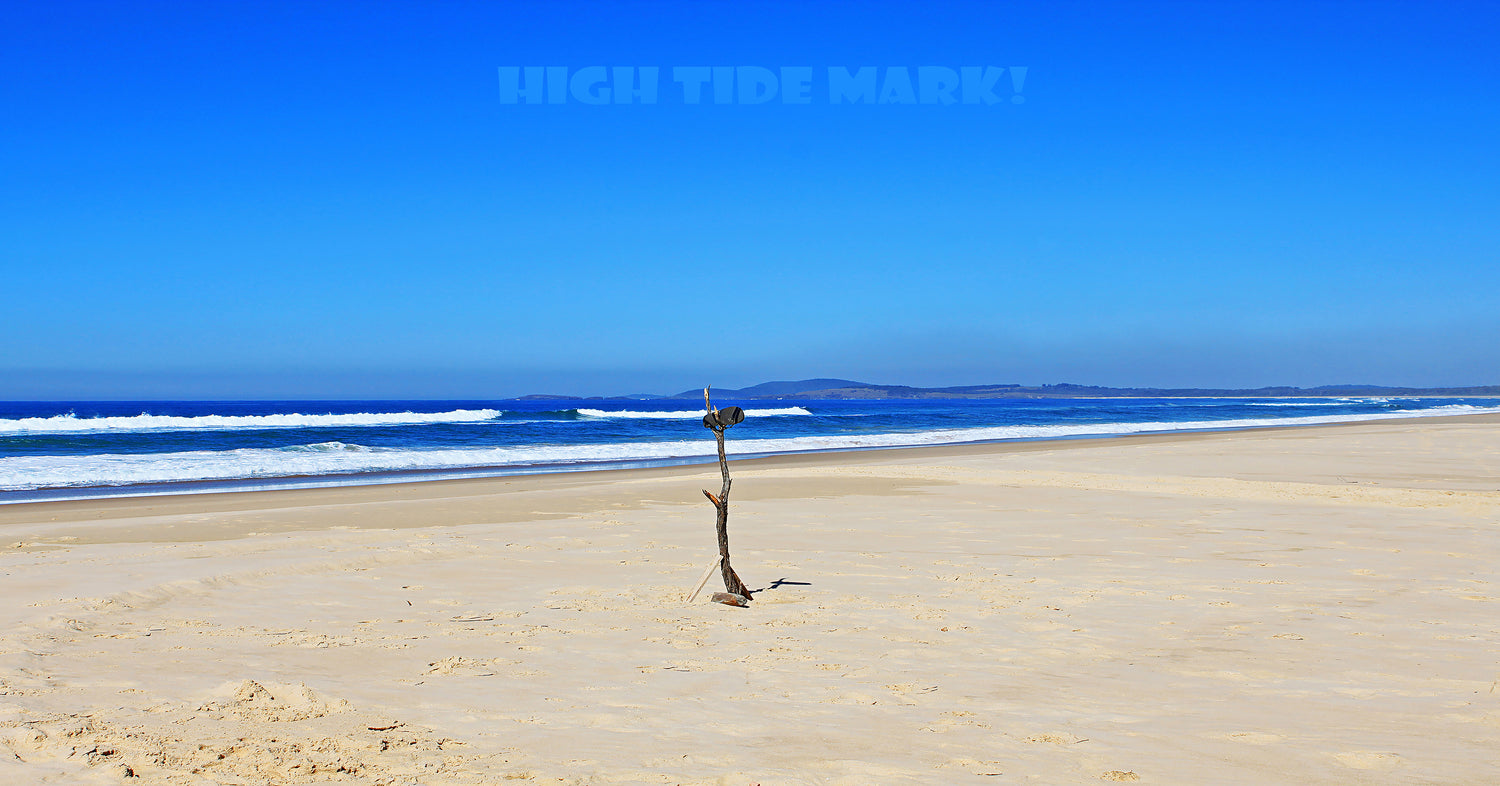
(479, 667)
(974, 766)
(1056, 738)
(1368, 760)
(1254, 737)
(904, 688)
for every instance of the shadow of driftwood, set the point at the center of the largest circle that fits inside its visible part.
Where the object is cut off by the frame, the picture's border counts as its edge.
(779, 583)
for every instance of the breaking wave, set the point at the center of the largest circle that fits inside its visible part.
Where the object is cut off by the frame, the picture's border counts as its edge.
(72, 424)
(22, 473)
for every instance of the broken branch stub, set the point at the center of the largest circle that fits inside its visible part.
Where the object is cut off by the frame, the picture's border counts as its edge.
(720, 419)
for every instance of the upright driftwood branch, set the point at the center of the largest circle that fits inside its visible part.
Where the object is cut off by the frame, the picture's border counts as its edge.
(717, 422)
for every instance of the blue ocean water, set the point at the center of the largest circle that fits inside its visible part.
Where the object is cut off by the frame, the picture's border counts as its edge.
(52, 450)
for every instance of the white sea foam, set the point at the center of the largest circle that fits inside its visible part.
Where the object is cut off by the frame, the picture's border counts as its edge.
(327, 458)
(695, 414)
(1332, 403)
(72, 424)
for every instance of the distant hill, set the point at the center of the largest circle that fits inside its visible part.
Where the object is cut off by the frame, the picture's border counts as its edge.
(774, 389)
(848, 389)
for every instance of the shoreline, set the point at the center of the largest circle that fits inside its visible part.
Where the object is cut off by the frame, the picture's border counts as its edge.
(216, 486)
(64, 513)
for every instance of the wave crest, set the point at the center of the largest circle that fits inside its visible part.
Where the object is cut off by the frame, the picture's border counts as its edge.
(37, 472)
(72, 424)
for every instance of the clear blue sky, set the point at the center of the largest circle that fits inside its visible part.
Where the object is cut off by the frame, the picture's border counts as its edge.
(255, 199)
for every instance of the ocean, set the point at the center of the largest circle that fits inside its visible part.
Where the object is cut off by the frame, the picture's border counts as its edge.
(61, 450)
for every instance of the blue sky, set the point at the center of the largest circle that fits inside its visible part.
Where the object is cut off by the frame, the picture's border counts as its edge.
(249, 200)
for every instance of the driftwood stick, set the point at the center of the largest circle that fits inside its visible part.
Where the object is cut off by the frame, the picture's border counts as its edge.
(697, 588)
(732, 582)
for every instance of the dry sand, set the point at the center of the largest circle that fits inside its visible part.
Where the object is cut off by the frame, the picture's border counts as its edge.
(1300, 606)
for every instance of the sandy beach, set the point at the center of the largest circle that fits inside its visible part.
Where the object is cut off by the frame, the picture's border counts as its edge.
(1294, 606)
